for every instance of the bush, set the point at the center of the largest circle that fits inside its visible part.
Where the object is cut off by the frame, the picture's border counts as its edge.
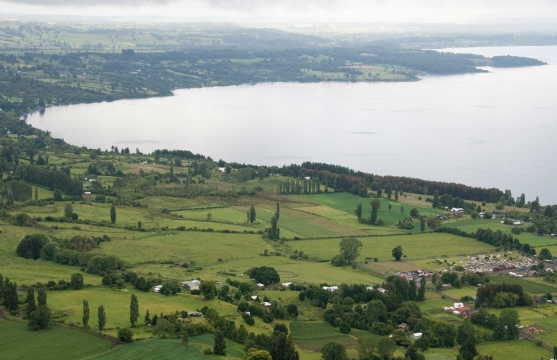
(125, 335)
(265, 275)
(31, 245)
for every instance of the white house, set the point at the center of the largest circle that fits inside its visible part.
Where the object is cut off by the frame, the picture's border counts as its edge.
(157, 288)
(192, 284)
(286, 285)
(330, 288)
(267, 304)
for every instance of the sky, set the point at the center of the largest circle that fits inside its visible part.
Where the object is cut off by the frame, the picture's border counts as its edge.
(297, 11)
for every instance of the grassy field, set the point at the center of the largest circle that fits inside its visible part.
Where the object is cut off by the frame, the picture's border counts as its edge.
(348, 202)
(18, 343)
(415, 246)
(170, 349)
(519, 349)
(180, 247)
(311, 336)
(529, 285)
(471, 225)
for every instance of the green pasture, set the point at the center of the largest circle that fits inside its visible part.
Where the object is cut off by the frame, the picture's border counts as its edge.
(417, 246)
(117, 305)
(529, 285)
(348, 202)
(289, 270)
(472, 225)
(172, 349)
(57, 343)
(519, 349)
(185, 246)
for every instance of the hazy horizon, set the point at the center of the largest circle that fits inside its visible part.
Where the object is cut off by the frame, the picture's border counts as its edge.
(393, 14)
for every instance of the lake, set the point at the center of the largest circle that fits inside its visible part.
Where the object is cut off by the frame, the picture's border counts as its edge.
(493, 129)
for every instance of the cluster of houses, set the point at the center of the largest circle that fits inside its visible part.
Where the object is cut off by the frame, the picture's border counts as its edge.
(459, 309)
(255, 298)
(415, 274)
(192, 285)
(513, 266)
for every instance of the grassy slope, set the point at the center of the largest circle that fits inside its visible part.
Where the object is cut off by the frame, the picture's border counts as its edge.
(170, 349)
(415, 246)
(18, 343)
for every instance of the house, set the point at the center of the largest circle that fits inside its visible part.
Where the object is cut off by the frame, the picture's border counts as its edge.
(459, 309)
(157, 288)
(286, 285)
(446, 286)
(192, 284)
(194, 314)
(417, 335)
(254, 297)
(267, 304)
(403, 326)
(260, 285)
(222, 170)
(457, 211)
(330, 288)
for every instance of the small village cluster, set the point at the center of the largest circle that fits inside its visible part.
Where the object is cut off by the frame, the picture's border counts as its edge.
(510, 264)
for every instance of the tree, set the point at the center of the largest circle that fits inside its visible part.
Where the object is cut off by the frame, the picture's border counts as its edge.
(422, 223)
(333, 351)
(208, 290)
(40, 318)
(421, 290)
(85, 317)
(219, 346)
(507, 325)
(466, 338)
(265, 275)
(273, 233)
(414, 213)
(374, 217)
(147, 320)
(349, 251)
(41, 297)
(31, 245)
(30, 304)
(36, 192)
(256, 354)
(359, 211)
(252, 215)
(68, 211)
(386, 347)
(101, 318)
(282, 347)
(125, 335)
(413, 354)
(397, 253)
(134, 310)
(113, 214)
(277, 212)
(76, 281)
(545, 254)
(292, 310)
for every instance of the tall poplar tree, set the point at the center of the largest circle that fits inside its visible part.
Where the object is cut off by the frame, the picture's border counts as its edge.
(134, 310)
(86, 314)
(113, 214)
(101, 315)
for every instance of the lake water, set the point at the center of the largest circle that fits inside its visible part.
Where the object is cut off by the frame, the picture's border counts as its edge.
(494, 129)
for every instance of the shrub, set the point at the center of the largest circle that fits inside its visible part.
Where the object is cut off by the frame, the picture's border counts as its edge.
(31, 245)
(125, 335)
